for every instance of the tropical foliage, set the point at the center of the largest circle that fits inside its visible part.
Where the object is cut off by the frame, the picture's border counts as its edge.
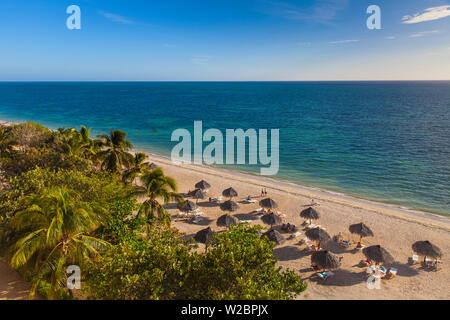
(67, 199)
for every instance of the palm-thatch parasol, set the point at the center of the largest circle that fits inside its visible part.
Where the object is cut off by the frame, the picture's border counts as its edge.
(229, 193)
(274, 235)
(318, 235)
(205, 236)
(203, 185)
(361, 229)
(268, 203)
(187, 206)
(309, 213)
(229, 206)
(197, 194)
(378, 254)
(271, 219)
(325, 260)
(427, 249)
(226, 220)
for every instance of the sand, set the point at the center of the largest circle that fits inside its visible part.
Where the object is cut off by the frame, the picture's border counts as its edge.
(395, 229)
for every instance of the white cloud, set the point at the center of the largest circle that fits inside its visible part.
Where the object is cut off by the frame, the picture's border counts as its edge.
(423, 33)
(343, 41)
(429, 14)
(116, 18)
(390, 38)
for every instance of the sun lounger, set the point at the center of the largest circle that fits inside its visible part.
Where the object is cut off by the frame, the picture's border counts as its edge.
(345, 243)
(325, 275)
(311, 226)
(245, 221)
(391, 273)
(196, 220)
(258, 210)
(249, 201)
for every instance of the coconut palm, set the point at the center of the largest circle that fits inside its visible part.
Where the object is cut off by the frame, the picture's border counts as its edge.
(115, 153)
(76, 143)
(55, 234)
(157, 186)
(137, 167)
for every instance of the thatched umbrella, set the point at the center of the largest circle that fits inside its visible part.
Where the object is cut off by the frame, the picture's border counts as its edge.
(268, 203)
(318, 235)
(274, 235)
(361, 229)
(272, 219)
(310, 214)
(229, 206)
(203, 185)
(378, 254)
(325, 260)
(197, 194)
(205, 236)
(427, 249)
(229, 193)
(226, 220)
(187, 206)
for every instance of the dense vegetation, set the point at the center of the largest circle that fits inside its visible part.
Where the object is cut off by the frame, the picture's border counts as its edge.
(67, 199)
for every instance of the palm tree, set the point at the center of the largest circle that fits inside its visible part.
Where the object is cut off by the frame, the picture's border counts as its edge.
(77, 143)
(157, 186)
(137, 168)
(115, 155)
(55, 233)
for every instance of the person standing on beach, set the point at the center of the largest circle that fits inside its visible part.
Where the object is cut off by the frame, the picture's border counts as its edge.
(262, 192)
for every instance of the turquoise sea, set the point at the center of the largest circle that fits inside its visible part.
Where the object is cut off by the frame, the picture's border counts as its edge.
(385, 141)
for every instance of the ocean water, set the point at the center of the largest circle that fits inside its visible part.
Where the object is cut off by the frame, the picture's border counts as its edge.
(385, 141)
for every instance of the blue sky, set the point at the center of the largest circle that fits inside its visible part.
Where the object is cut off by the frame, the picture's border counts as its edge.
(224, 40)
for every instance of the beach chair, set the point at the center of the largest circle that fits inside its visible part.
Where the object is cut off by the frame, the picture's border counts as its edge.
(391, 273)
(325, 275)
(311, 226)
(259, 210)
(414, 259)
(294, 235)
(345, 243)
